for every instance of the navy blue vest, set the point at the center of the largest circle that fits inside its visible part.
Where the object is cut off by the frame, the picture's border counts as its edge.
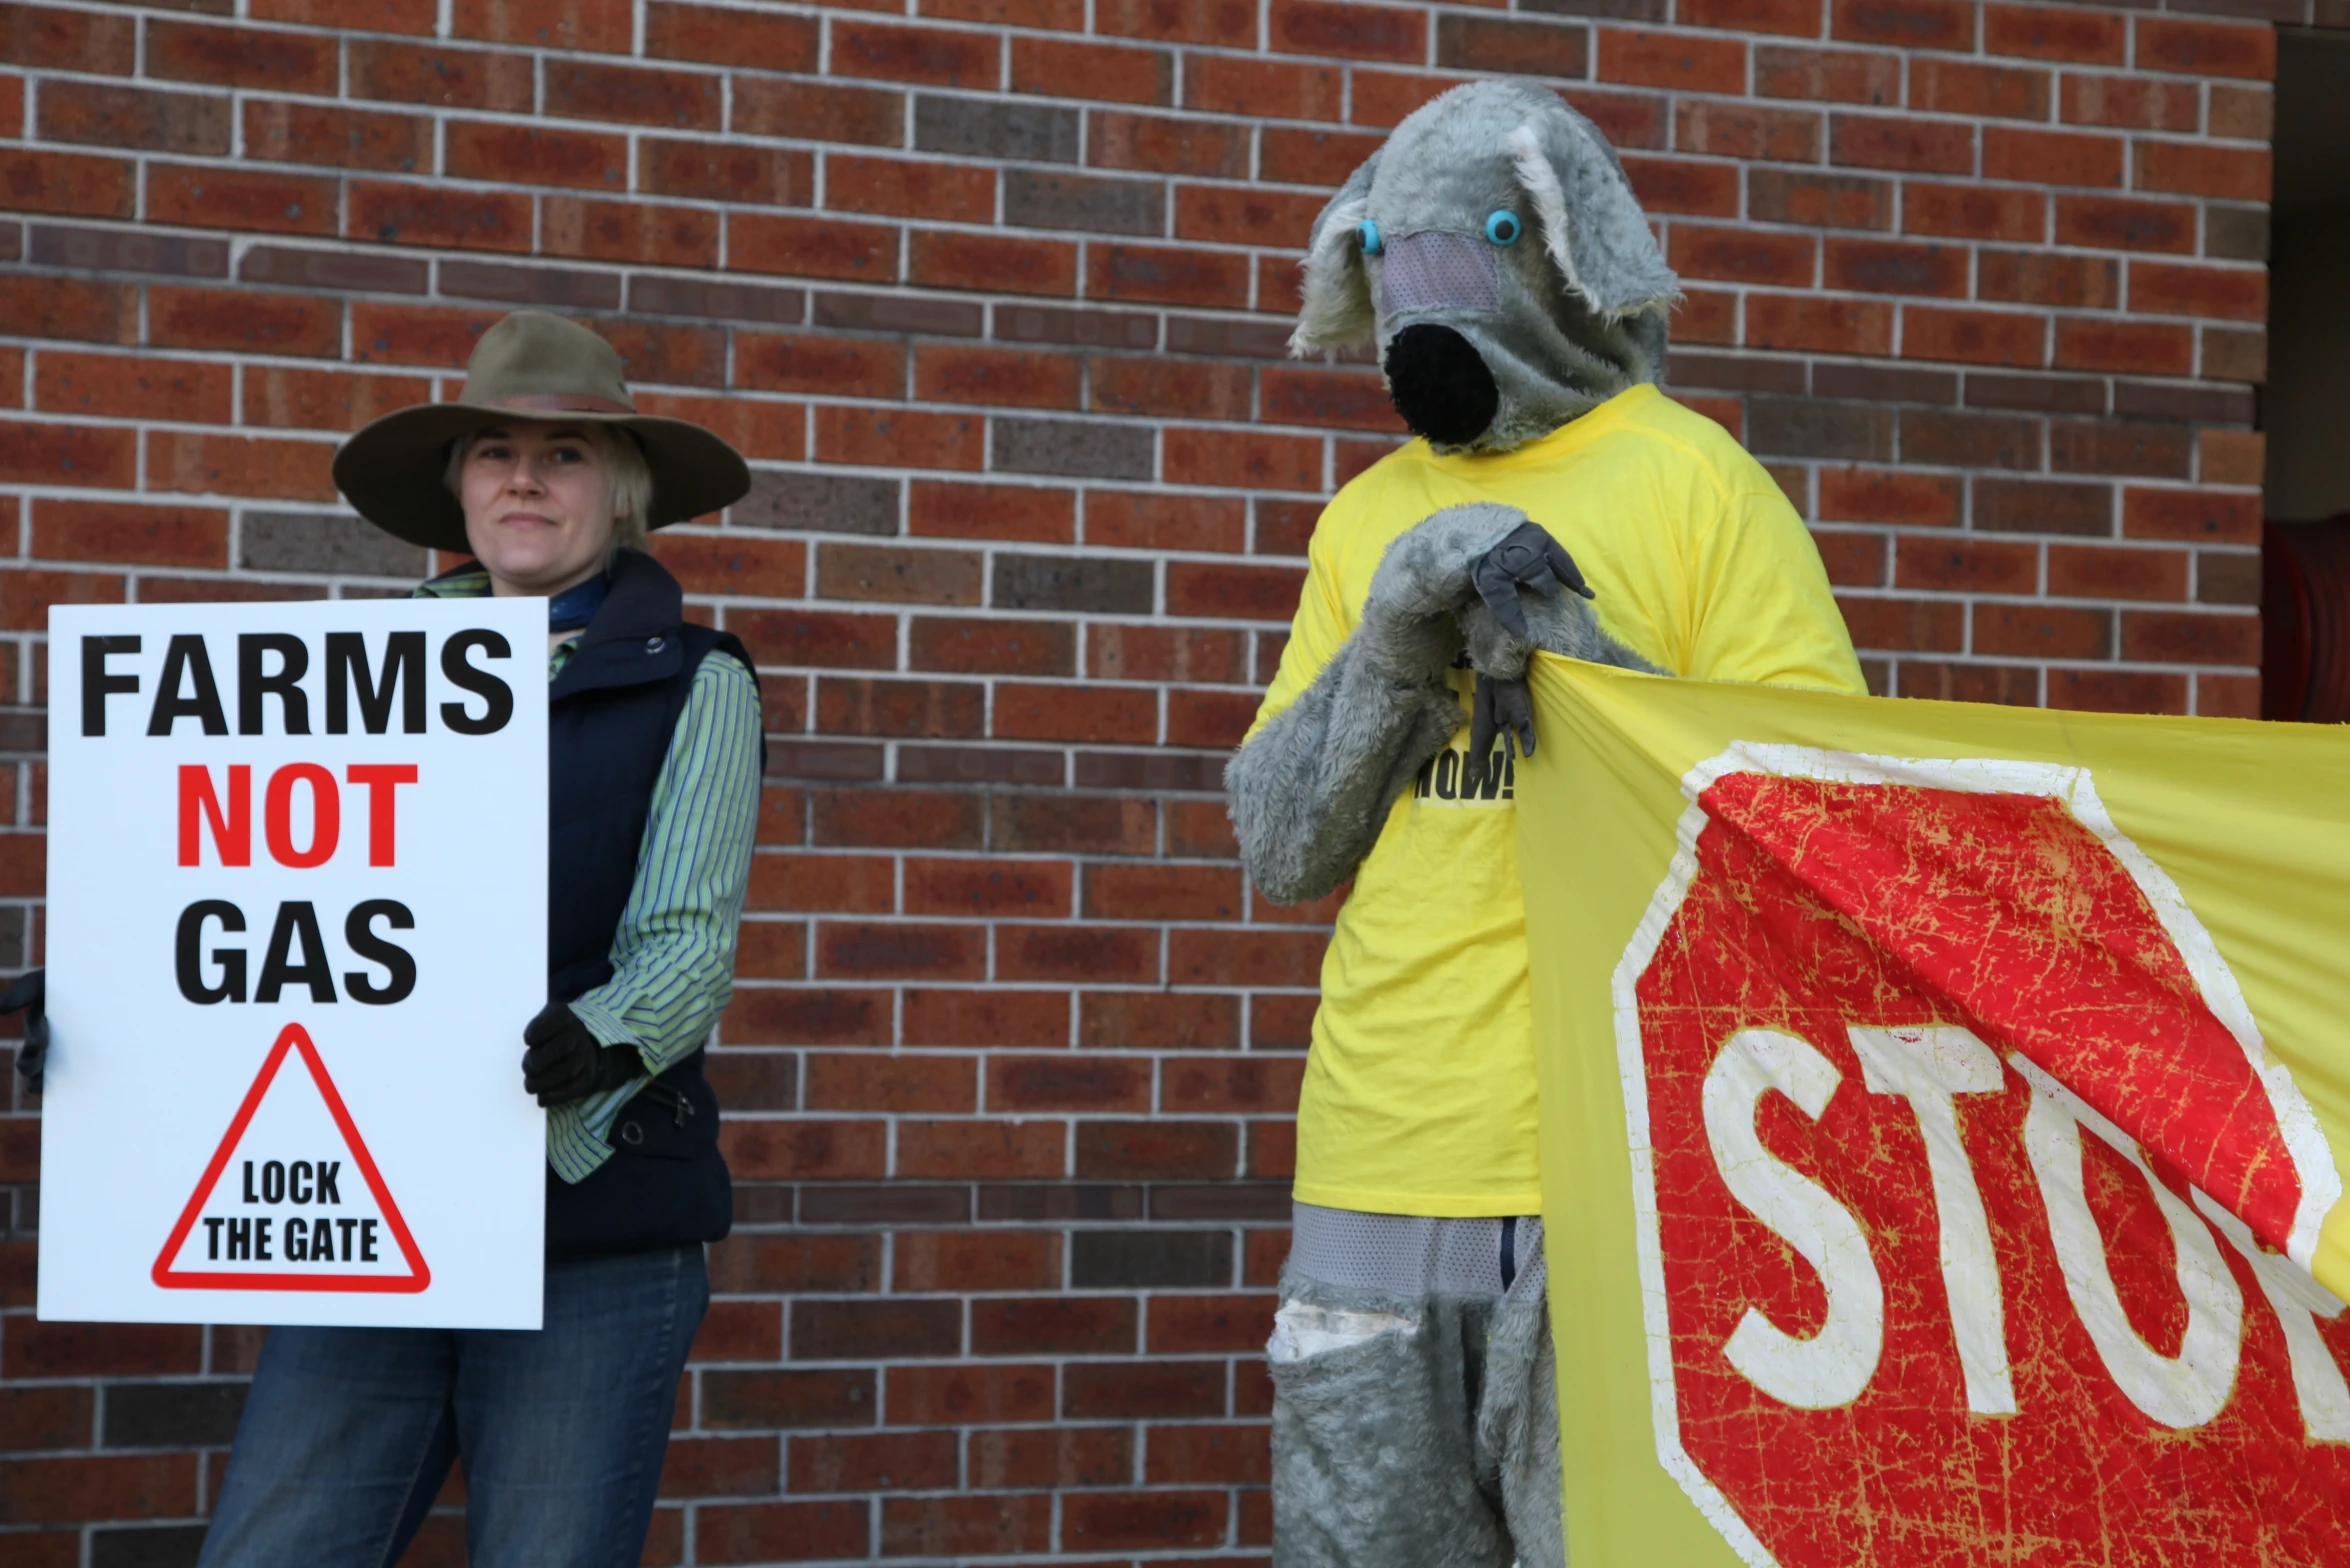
(610, 716)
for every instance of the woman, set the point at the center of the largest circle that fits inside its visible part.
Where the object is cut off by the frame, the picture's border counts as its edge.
(545, 473)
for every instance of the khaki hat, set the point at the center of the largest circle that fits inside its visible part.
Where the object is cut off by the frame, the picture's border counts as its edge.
(531, 366)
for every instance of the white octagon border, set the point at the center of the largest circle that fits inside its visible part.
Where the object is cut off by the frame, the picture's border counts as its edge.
(2070, 787)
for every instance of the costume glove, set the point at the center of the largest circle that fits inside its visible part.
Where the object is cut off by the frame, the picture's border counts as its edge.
(1501, 707)
(29, 995)
(565, 1062)
(1528, 558)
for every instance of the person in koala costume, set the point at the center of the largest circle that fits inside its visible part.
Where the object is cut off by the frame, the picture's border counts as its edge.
(1553, 498)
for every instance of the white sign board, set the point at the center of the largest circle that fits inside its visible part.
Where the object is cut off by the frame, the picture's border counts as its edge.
(297, 921)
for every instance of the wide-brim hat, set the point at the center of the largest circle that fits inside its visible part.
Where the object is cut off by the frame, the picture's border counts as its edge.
(538, 367)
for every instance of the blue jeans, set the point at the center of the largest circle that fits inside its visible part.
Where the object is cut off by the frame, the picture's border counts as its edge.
(349, 1432)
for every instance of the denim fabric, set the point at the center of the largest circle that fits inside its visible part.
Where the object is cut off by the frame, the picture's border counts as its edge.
(349, 1432)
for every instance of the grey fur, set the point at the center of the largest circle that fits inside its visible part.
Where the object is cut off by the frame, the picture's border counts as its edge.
(1583, 295)
(1310, 791)
(1371, 1465)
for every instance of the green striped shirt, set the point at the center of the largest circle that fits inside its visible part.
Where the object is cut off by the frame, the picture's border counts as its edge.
(673, 955)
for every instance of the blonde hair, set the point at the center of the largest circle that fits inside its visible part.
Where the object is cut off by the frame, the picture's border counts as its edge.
(631, 478)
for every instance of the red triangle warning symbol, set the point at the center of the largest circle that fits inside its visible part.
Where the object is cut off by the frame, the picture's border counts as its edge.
(285, 1222)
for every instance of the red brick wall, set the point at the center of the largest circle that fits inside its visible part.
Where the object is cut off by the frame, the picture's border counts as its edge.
(994, 294)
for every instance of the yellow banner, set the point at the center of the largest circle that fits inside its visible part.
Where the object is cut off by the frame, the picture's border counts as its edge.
(1941, 1116)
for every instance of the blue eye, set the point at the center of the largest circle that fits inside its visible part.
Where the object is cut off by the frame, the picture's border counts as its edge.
(1503, 227)
(1369, 234)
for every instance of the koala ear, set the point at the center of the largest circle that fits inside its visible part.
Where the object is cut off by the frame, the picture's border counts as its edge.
(1337, 310)
(1591, 222)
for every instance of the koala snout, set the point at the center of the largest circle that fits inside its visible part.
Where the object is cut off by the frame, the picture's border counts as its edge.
(1440, 384)
(1438, 269)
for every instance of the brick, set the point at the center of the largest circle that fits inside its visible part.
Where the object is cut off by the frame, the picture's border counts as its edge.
(1963, 87)
(1276, 89)
(2180, 289)
(443, 78)
(872, 436)
(984, 1261)
(1905, 24)
(2051, 157)
(1893, 267)
(925, 56)
(1742, 255)
(1742, 130)
(1251, 1085)
(1107, 955)
(1058, 1456)
(1070, 449)
(873, 1461)
(105, 532)
(2201, 169)
(850, 1330)
(1073, 824)
(2142, 347)
(712, 170)
(1361, 32)
(2129, 103)
(2052, 33)
(283, 131)
(984, 128)
(676, 100)
(1820, 325)
(1124, 520)
(828, 882)
(1956, 565)
(1143, 1390)
(815, 111)
(1109, 72)
(134, 118)
(2117, 691)
(2200, 516)
(1914, 146)
(1157, 387)
(1827, 75)
(2192, 48)
(1529, 46)
(2037, 506)
(1888, 496)
(235, 198)
(721, 1467)
(241, 57)
(813, 247)
(2230, 457)
(1973, 212)
(2043, 278)
(747, 40)
(981, 1149)
(2246, 113)
(2105, 572)
(991, 1017)
(772, 1532)
(1905, 625)
(423, 215)
(1835, 201)
(1054, 1326)
(603, 26)
(1798, 18)
(48, 38)
(1208, 1455)
(111, 1486)
(2119, 223)
(1979, 337)
(952, 193)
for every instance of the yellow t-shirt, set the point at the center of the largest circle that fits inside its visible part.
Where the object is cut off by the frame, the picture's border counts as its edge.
(1419, 1093)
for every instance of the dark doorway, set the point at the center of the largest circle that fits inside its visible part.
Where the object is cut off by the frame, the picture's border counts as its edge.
(2305, 406)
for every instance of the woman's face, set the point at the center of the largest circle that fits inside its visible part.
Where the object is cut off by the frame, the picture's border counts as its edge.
(538, 506)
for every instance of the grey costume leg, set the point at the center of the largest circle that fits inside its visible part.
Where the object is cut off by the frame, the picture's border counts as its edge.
(1412, 1396)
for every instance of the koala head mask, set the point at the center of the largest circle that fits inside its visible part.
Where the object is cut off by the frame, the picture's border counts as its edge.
(1494, 250)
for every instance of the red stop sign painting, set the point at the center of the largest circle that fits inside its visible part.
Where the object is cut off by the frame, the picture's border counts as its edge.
(1969, 1195)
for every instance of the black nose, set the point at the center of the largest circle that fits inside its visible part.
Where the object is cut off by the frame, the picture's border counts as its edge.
(1440, 384)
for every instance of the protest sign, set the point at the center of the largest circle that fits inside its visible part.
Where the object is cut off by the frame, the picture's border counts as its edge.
(1939, 1110)
(296, 922)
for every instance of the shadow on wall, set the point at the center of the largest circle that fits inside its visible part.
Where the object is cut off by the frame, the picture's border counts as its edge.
(2305, 406)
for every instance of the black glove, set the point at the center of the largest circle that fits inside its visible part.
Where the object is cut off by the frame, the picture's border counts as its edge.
(565, 1062)
(28, 995)
(1528, 558)
(1504, 708)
